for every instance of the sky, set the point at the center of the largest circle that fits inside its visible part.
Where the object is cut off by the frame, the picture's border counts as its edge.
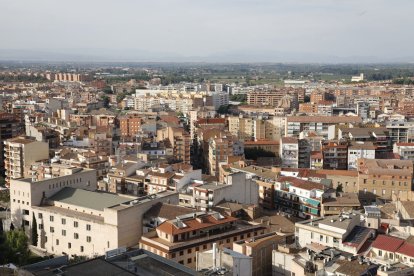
(272, 30)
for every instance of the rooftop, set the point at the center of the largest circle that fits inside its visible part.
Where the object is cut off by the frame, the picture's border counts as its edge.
(192, 223)
(387, 243)
(324, 119)
(95, 200)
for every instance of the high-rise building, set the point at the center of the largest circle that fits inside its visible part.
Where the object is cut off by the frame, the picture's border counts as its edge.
(10, 127)
(20, 153)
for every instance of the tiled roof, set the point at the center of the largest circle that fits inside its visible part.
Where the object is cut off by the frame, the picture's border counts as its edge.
(387, 243)
(167, 211)
(193, 224)
(406, 249)
(302, 184)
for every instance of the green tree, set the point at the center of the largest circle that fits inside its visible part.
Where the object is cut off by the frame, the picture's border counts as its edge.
(254, 153)
(105, 100)
(108, 90)
(35, 236)
(339, 189)
(14, 247)
(5, 196)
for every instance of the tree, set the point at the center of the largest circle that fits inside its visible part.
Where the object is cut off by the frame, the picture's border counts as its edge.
(35, 236)
(339, 189)
(254, 153)
(108, 90)
(14, 247)
(105, 100)
(5, 196)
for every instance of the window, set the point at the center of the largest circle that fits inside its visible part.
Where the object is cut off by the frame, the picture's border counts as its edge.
(311, 235)
(173, 255)
(189, 260)
(63, 221)
(88, 227)
(88, 238)
(75, 224)
(69, 245)
(75, 236)
(57, 241)
(181, 262)
(181, 253)
(81, 249)
(189, 251)
(63, 232)
(25, 212)
(40, 226)
(205, 246)
(52, 229)
(380, 253)
(40, 215)
(321, 238)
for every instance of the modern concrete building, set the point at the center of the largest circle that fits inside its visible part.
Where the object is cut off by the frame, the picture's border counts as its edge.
(20, 153)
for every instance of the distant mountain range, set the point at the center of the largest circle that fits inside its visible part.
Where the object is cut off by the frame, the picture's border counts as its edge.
(130, 55)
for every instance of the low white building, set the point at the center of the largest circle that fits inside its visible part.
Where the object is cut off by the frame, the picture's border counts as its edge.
(342, 232)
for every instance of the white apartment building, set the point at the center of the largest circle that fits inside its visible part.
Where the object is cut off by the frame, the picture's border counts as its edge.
(342, 232)
(74, 219)
(238, 188)
(359, 150)
(289, 152)
(405, 150)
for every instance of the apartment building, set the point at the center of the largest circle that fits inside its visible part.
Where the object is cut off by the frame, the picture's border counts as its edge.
(401, 131)
(180, 141)
(10, 126)
(379, 136)
(404, 150)
(20, 153)
(274, 96)
(180, 239)
(289, 152)
(220, 148)
(322, 125)
(237, 188)
(130, 125)
(357, 150)
(299, 197)
(342, 232)
(265, 179)
(74, 219)
(335, 155)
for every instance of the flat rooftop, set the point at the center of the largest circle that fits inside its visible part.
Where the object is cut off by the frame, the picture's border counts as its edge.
(95, 200)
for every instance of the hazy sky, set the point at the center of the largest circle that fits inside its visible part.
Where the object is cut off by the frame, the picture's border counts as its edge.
(211, 27)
